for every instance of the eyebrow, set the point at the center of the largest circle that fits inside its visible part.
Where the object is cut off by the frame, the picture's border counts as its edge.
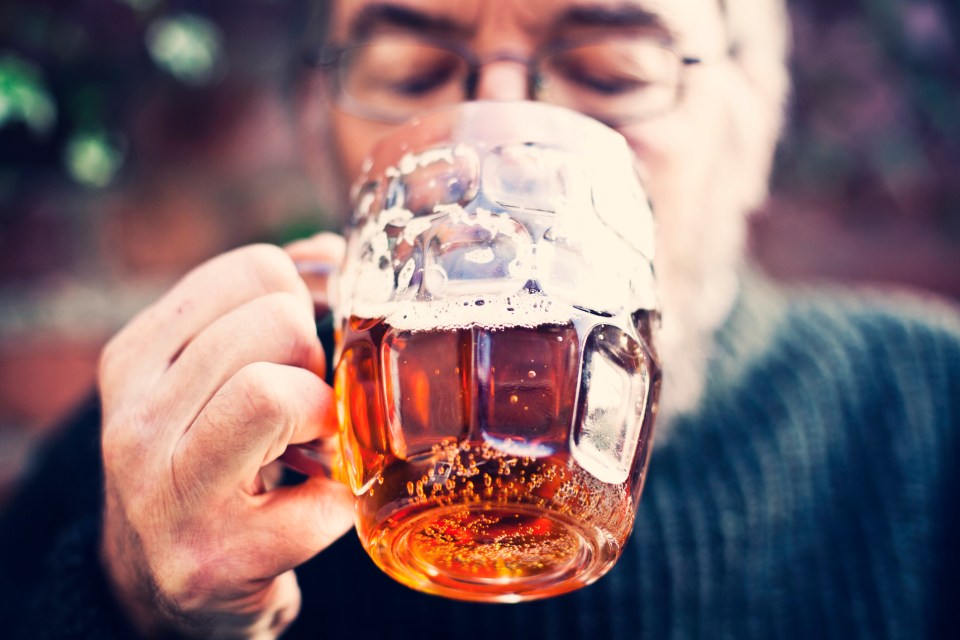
(389, 14)
(624, 16)
(379, 15)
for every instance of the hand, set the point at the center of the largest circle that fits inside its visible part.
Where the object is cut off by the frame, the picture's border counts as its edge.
(201, 392)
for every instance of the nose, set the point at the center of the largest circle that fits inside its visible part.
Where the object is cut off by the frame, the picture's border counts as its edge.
(503, 78)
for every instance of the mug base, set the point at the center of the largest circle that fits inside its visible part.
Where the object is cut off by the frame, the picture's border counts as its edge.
(491, 552)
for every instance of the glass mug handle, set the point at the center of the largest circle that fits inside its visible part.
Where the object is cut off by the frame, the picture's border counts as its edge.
(318, 274)
(318, 457)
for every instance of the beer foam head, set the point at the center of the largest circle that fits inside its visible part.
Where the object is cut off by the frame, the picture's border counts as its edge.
(522, 309)
(518, 234)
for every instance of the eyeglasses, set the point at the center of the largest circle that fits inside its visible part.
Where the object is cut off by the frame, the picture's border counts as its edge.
(618, 80)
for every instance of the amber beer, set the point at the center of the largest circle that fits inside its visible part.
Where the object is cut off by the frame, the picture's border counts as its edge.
(501, 462)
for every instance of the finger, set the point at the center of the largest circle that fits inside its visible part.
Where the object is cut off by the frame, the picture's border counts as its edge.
(315, 458)
(139, 354)
(323, 247)
(300, 521)
(277, 328)
(249, 423)
(317, 258)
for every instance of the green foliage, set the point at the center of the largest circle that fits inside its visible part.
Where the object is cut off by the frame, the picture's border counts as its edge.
(24, 96)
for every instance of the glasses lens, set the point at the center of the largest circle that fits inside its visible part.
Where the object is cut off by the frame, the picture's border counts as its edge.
(618, 79)
(398, 78)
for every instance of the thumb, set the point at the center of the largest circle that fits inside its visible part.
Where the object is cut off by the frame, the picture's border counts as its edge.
(322, 246)
(302, 520)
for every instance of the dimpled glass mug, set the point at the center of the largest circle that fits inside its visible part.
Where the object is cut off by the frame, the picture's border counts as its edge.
(496, 377)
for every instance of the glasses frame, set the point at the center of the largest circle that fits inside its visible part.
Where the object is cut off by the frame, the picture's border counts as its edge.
(328, 59)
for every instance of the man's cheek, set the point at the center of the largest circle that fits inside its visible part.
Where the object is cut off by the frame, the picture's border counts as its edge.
(665, 166)
(355, 139)
(677, 152)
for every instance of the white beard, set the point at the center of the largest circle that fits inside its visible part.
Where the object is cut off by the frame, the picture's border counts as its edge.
(701, 237)
(696, 297)
(699, 258)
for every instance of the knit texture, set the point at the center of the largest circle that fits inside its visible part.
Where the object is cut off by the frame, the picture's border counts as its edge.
(813, 494)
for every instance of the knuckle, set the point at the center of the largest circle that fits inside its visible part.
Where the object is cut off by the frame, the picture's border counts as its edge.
(121, 438)
(292, 326)
(263, 253)
(190, 582)
(108, 356)
(139, 505)
(257, 392)
(271, 266)
(265, 410)
(113, 450)
(112, 357)
(208, 569)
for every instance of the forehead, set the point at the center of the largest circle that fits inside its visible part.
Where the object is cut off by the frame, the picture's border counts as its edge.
(695, 22)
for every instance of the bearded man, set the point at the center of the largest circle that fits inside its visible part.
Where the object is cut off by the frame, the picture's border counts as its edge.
(803, 479)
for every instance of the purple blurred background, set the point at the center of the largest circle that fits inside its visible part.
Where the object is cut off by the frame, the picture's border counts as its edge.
(138, 137)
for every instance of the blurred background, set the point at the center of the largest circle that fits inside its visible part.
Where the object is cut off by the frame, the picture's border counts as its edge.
(139, 137)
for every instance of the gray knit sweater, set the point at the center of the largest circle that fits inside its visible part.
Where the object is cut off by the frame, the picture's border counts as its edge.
(813, 494)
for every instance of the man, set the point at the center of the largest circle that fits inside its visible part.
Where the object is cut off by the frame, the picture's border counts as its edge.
(803, 482)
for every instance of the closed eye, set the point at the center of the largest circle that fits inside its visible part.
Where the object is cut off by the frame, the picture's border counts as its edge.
(604, 84)
(427, 81)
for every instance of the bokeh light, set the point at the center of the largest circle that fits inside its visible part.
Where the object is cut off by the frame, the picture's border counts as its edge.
(92, 158)
(188, 46)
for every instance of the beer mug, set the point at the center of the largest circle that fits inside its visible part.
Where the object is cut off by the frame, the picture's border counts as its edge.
(497, 379)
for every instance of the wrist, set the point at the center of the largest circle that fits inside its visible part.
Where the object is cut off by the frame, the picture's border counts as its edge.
(131, 583)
